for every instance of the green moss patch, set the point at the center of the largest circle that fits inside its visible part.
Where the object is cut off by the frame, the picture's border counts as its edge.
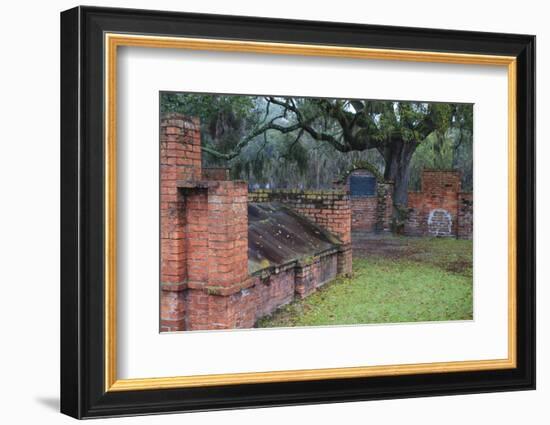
(433, 282)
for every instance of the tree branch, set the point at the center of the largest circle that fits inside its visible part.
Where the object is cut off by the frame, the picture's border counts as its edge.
(305, 124)
(358, 140)
(294, 143)
(243, 142)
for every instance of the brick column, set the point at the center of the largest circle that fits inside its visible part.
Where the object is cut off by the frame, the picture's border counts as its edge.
(180, 158)
(339, 223)
(223, 259)
(204, 236)
(465, 215)
(384, 211)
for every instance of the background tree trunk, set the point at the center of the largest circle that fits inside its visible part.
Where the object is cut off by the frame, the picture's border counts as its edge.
(397, 156)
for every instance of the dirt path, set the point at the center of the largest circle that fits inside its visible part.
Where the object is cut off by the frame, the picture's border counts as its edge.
(449, 254)
(380, 245)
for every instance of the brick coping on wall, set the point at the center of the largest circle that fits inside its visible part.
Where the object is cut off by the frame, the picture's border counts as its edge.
(299, 262)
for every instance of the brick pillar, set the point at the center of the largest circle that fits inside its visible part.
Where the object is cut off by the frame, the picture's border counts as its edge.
(204, 236)
(384, 210)
(339, 223)
(227, 234)
(223, 259)
(180, 158)
(196, 236)
(465, 215)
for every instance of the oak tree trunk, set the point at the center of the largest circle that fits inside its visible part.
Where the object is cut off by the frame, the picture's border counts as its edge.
(397, 156)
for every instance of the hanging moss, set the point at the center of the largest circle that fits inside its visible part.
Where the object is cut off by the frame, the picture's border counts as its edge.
(399, 219)
(362, 165)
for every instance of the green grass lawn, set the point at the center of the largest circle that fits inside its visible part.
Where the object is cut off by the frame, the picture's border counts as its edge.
(420, 280)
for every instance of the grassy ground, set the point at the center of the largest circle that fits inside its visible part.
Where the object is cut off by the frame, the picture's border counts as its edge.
(396, 279)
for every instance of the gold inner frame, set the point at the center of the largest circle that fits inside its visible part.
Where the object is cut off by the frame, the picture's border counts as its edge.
(113, 41)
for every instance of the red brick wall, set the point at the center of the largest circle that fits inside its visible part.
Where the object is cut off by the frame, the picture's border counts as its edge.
(212, 173)
(416, 222)
(330, 209)
(370, 213)
(385, 212)
(216, 234)
(180, 159)
(227, 236)
(440, 190)
(204, 233)
(364, 209)
(273, 291)
(204, 242)
(345, 261)
(315, 274)
(364, 212)
(264, 294)
(195, 233)
(440, 209)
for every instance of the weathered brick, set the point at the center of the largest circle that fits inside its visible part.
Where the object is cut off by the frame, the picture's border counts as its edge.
(204, 240)
(440, 209)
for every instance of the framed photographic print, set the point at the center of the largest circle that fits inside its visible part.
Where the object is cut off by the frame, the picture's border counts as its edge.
(261, 212)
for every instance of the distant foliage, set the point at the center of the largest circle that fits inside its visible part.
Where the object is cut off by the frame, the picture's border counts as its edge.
(451, 149)
(235, 135)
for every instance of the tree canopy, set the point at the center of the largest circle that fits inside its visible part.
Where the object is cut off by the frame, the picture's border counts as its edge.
(308, 142)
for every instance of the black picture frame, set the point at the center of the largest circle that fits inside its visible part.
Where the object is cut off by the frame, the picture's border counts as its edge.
(82, 212)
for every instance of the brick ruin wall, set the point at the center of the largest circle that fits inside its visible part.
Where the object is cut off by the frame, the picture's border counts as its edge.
(465, 215)
(204, 243)
(215, 173)
(440, 208)
(317, 272)
(180, 159)
(370, 213)
(330, 209)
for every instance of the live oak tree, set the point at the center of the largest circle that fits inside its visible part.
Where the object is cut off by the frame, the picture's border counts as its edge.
(394, 129)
